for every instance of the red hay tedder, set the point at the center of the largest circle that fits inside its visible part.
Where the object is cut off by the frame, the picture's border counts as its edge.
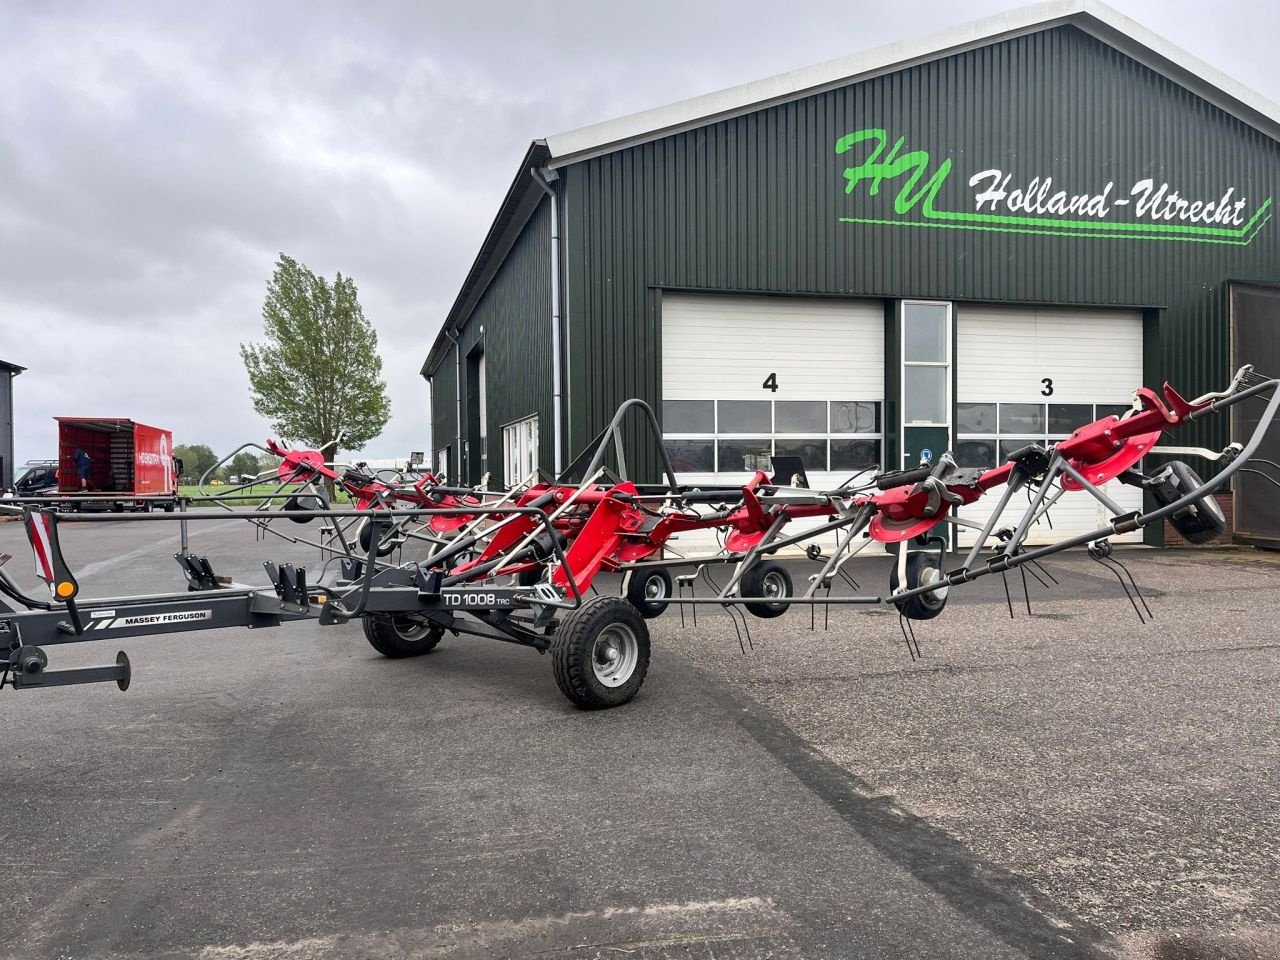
(415, 558)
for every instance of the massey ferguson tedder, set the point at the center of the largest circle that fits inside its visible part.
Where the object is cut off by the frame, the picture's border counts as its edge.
(415, 558)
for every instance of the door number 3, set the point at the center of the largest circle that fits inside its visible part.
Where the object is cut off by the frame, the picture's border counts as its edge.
(1048, 387)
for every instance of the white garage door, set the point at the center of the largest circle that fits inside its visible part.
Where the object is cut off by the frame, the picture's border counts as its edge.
(746, 378)
(1035, 375)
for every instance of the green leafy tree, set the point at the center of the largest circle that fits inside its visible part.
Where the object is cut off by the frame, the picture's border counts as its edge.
(318, 376)
(196, 459)
(243, 464)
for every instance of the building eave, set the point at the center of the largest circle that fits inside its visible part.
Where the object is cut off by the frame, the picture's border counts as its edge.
(521, 200)
(1095, 18)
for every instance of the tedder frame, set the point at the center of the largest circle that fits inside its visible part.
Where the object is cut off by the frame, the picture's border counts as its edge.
(517, 565)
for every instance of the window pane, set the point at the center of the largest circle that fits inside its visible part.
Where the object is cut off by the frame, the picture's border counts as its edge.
(688, 416)
(976, 453)
(925, 394)
(854, 416)
(737, 456)
(1112, 410)
(812, 453)
(925, 332)
(691, 456)
(1009, 446)
(745, 416)
(1066, 417)
(854, 454)
(1022, 418)
(975, 418)
(800, 416)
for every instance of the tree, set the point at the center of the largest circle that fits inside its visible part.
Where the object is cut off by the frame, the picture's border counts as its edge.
(243, 464)
(196, 459)
(318, 375)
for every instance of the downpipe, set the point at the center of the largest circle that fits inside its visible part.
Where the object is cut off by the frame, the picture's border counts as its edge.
(543, 181)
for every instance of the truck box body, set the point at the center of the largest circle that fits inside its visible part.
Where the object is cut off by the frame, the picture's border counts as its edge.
(129, 459)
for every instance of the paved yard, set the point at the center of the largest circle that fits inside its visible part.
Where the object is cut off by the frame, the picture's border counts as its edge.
(1067, 785)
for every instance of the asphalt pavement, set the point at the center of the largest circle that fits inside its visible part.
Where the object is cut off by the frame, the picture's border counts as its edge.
(1070, 784)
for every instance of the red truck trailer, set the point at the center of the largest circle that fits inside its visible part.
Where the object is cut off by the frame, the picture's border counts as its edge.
(130, 464)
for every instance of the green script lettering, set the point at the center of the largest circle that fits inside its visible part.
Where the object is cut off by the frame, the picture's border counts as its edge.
(876, 170)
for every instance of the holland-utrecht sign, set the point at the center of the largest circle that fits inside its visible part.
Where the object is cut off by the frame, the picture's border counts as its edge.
(1005, 203)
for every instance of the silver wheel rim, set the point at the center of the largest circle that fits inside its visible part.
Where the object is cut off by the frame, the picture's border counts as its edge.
(773, 586)
(655, 588)
(410, 630)
(933, 575)
(615, 654)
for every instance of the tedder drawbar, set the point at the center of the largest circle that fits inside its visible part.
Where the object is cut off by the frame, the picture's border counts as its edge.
(519, 565)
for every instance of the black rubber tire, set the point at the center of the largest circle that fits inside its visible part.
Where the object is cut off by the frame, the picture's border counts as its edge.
(307, 501)
(766, 580)
(366, 535)
(398, 637)
(574, 652)
(1202, 520)
(921, 568)
(649, 591)
(168, 508)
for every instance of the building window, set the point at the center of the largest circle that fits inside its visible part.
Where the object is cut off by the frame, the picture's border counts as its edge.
(742, 436)
(442, 463)
(986, 433)
(926, 364)
(519, 450)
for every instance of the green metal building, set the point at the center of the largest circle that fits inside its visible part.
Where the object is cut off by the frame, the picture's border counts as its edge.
(964, 242)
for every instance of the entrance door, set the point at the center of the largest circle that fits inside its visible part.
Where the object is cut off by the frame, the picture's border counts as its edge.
(1029, 374)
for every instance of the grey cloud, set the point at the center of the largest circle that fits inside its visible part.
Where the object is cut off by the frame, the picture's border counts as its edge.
(155, 157)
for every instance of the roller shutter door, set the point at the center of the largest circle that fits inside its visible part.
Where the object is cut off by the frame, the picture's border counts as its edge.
(1027, 374)
(748, 377)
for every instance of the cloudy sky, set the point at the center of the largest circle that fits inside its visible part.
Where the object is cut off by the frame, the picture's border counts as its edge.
(155, 158)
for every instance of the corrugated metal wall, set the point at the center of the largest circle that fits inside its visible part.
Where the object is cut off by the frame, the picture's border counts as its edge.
(755, 204)
(443, 405)
(515, 317)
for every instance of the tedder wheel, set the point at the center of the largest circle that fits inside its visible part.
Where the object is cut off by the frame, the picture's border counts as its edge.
(367, 532)
(649, 591)
(397, 637)
(1201, 520)
(922, 570)
(601, 653)
(766, 580)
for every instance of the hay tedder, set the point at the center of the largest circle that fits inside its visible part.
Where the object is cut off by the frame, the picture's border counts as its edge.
(413, 558)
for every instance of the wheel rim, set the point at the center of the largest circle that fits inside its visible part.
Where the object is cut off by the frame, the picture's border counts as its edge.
(931, 575)
(614, 655)
(410, 630)
(655, 588)
(773, 586)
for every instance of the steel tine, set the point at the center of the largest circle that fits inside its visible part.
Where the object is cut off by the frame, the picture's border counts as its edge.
(909, 635)
(1026, 594)
(1136, 589)
(1045, 570)
(1124, 586)
(1008, 598)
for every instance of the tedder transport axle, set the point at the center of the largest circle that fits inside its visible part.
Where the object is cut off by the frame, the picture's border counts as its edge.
(516, 565)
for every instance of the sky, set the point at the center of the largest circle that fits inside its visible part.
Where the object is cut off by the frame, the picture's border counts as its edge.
(155, 158)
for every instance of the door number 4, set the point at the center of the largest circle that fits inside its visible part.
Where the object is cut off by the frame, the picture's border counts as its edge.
(771, 382)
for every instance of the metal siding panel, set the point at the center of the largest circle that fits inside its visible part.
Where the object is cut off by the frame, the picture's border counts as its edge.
(751, 204)
(515, 314)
